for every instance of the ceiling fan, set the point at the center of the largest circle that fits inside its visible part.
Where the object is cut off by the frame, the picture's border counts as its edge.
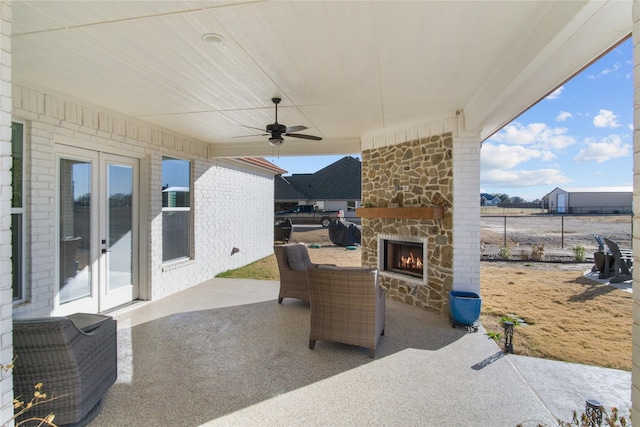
(275, 131)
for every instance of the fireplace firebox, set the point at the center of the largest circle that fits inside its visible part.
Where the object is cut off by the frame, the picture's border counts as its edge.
(403, 258)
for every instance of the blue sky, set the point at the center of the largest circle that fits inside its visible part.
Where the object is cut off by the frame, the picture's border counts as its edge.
(581, 135)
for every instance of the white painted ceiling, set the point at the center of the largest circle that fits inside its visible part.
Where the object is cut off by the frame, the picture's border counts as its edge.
(344, 69)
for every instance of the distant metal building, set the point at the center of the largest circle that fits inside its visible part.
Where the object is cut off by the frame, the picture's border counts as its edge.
(590, 200)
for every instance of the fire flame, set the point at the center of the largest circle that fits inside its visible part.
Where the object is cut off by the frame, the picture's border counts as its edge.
(410, 261)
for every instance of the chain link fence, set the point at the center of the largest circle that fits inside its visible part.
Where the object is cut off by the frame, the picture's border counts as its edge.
(558, 234)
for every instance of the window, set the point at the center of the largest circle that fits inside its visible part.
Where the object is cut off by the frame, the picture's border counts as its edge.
(176, 209)
(17, 210)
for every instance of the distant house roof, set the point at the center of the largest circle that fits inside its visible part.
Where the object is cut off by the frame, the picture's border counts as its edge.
(262, 163)
(487, 196)
(287, 192)
(341, 180)
(176, 190)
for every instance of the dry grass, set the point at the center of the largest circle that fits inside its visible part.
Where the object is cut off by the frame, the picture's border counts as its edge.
(569, 317)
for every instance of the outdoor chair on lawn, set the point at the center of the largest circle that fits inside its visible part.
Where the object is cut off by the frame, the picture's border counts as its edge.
(74, 357)
(621, 270)
(600, 261)
(347, 306)
(293, 262)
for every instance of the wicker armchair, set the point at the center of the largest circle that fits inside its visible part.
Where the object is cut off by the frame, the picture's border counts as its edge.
(347, 306)
(293, 262)
(75, 357)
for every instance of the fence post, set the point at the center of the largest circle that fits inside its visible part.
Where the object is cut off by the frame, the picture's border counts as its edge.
(505, 231)
(562, 233)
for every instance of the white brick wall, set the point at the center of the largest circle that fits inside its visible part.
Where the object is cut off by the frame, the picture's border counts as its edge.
(466, 214)
(6, 349)
(233, 200)
(635, 389)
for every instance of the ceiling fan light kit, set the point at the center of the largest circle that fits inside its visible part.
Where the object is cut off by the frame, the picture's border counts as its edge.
(276, 141)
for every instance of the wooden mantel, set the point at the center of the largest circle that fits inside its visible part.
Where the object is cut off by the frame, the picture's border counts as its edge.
(435, 212)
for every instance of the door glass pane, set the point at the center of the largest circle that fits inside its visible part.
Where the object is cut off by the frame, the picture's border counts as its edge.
(75, 229)
(120, 215)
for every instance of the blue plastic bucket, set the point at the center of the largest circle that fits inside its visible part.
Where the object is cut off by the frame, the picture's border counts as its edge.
(464, 307)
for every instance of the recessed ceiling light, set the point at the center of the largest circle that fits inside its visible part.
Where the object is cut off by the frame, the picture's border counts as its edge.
(213, 38)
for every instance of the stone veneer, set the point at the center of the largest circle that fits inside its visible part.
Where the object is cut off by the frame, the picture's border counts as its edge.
(425, 166)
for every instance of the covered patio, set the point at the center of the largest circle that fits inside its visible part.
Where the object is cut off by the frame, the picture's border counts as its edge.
(225, 352)
(90, 87)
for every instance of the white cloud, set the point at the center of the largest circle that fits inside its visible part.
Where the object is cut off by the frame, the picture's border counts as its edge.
(556, 93)
(528, 178)
(607, 148)
(563, 116)
(606, 119)
(502, 156)
(611, 69)
(537, 135)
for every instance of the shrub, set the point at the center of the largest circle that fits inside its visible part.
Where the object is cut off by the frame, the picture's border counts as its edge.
(579, 253)
(583, 420)
(537, 252)
(22, 404)
(504, 252)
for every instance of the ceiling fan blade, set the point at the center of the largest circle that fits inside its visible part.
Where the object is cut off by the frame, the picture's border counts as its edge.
(303, 136)
(247, 136)
(251, 127)
(296, 128)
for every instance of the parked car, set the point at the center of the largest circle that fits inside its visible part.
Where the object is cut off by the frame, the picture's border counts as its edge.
(306, 214)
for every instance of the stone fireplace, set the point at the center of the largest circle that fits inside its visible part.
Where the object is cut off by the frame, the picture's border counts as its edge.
(407, 196)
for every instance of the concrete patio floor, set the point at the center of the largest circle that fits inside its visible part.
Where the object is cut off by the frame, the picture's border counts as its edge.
(226, 353)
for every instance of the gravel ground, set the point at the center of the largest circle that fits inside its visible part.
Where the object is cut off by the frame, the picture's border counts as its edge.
(558, 234)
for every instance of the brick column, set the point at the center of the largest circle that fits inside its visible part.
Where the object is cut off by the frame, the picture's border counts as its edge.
(6, 349)
(466, 213)
(635, 379)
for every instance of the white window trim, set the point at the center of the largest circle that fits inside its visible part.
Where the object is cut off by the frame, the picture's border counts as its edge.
(186, 260)
(22, 211)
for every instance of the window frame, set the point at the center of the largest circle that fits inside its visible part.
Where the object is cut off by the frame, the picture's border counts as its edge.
(18, 293)
(189, 232)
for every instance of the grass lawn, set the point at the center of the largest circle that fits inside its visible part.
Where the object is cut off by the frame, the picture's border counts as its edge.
(569, 317)
(264, 269)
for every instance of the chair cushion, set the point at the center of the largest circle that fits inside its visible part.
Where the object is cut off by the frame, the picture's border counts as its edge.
(294, 257)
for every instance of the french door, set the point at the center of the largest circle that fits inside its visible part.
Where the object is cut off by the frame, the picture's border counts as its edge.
(97, 255)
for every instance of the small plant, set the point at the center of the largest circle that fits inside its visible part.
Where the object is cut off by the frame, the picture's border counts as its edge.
(585, 420)
(579, 253)
(494, 335)
(511, 319)
(504, 252)
(537, 252)
(610, 420)
(20, 406)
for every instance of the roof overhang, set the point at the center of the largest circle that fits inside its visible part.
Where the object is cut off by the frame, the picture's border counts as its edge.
(343, 69)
